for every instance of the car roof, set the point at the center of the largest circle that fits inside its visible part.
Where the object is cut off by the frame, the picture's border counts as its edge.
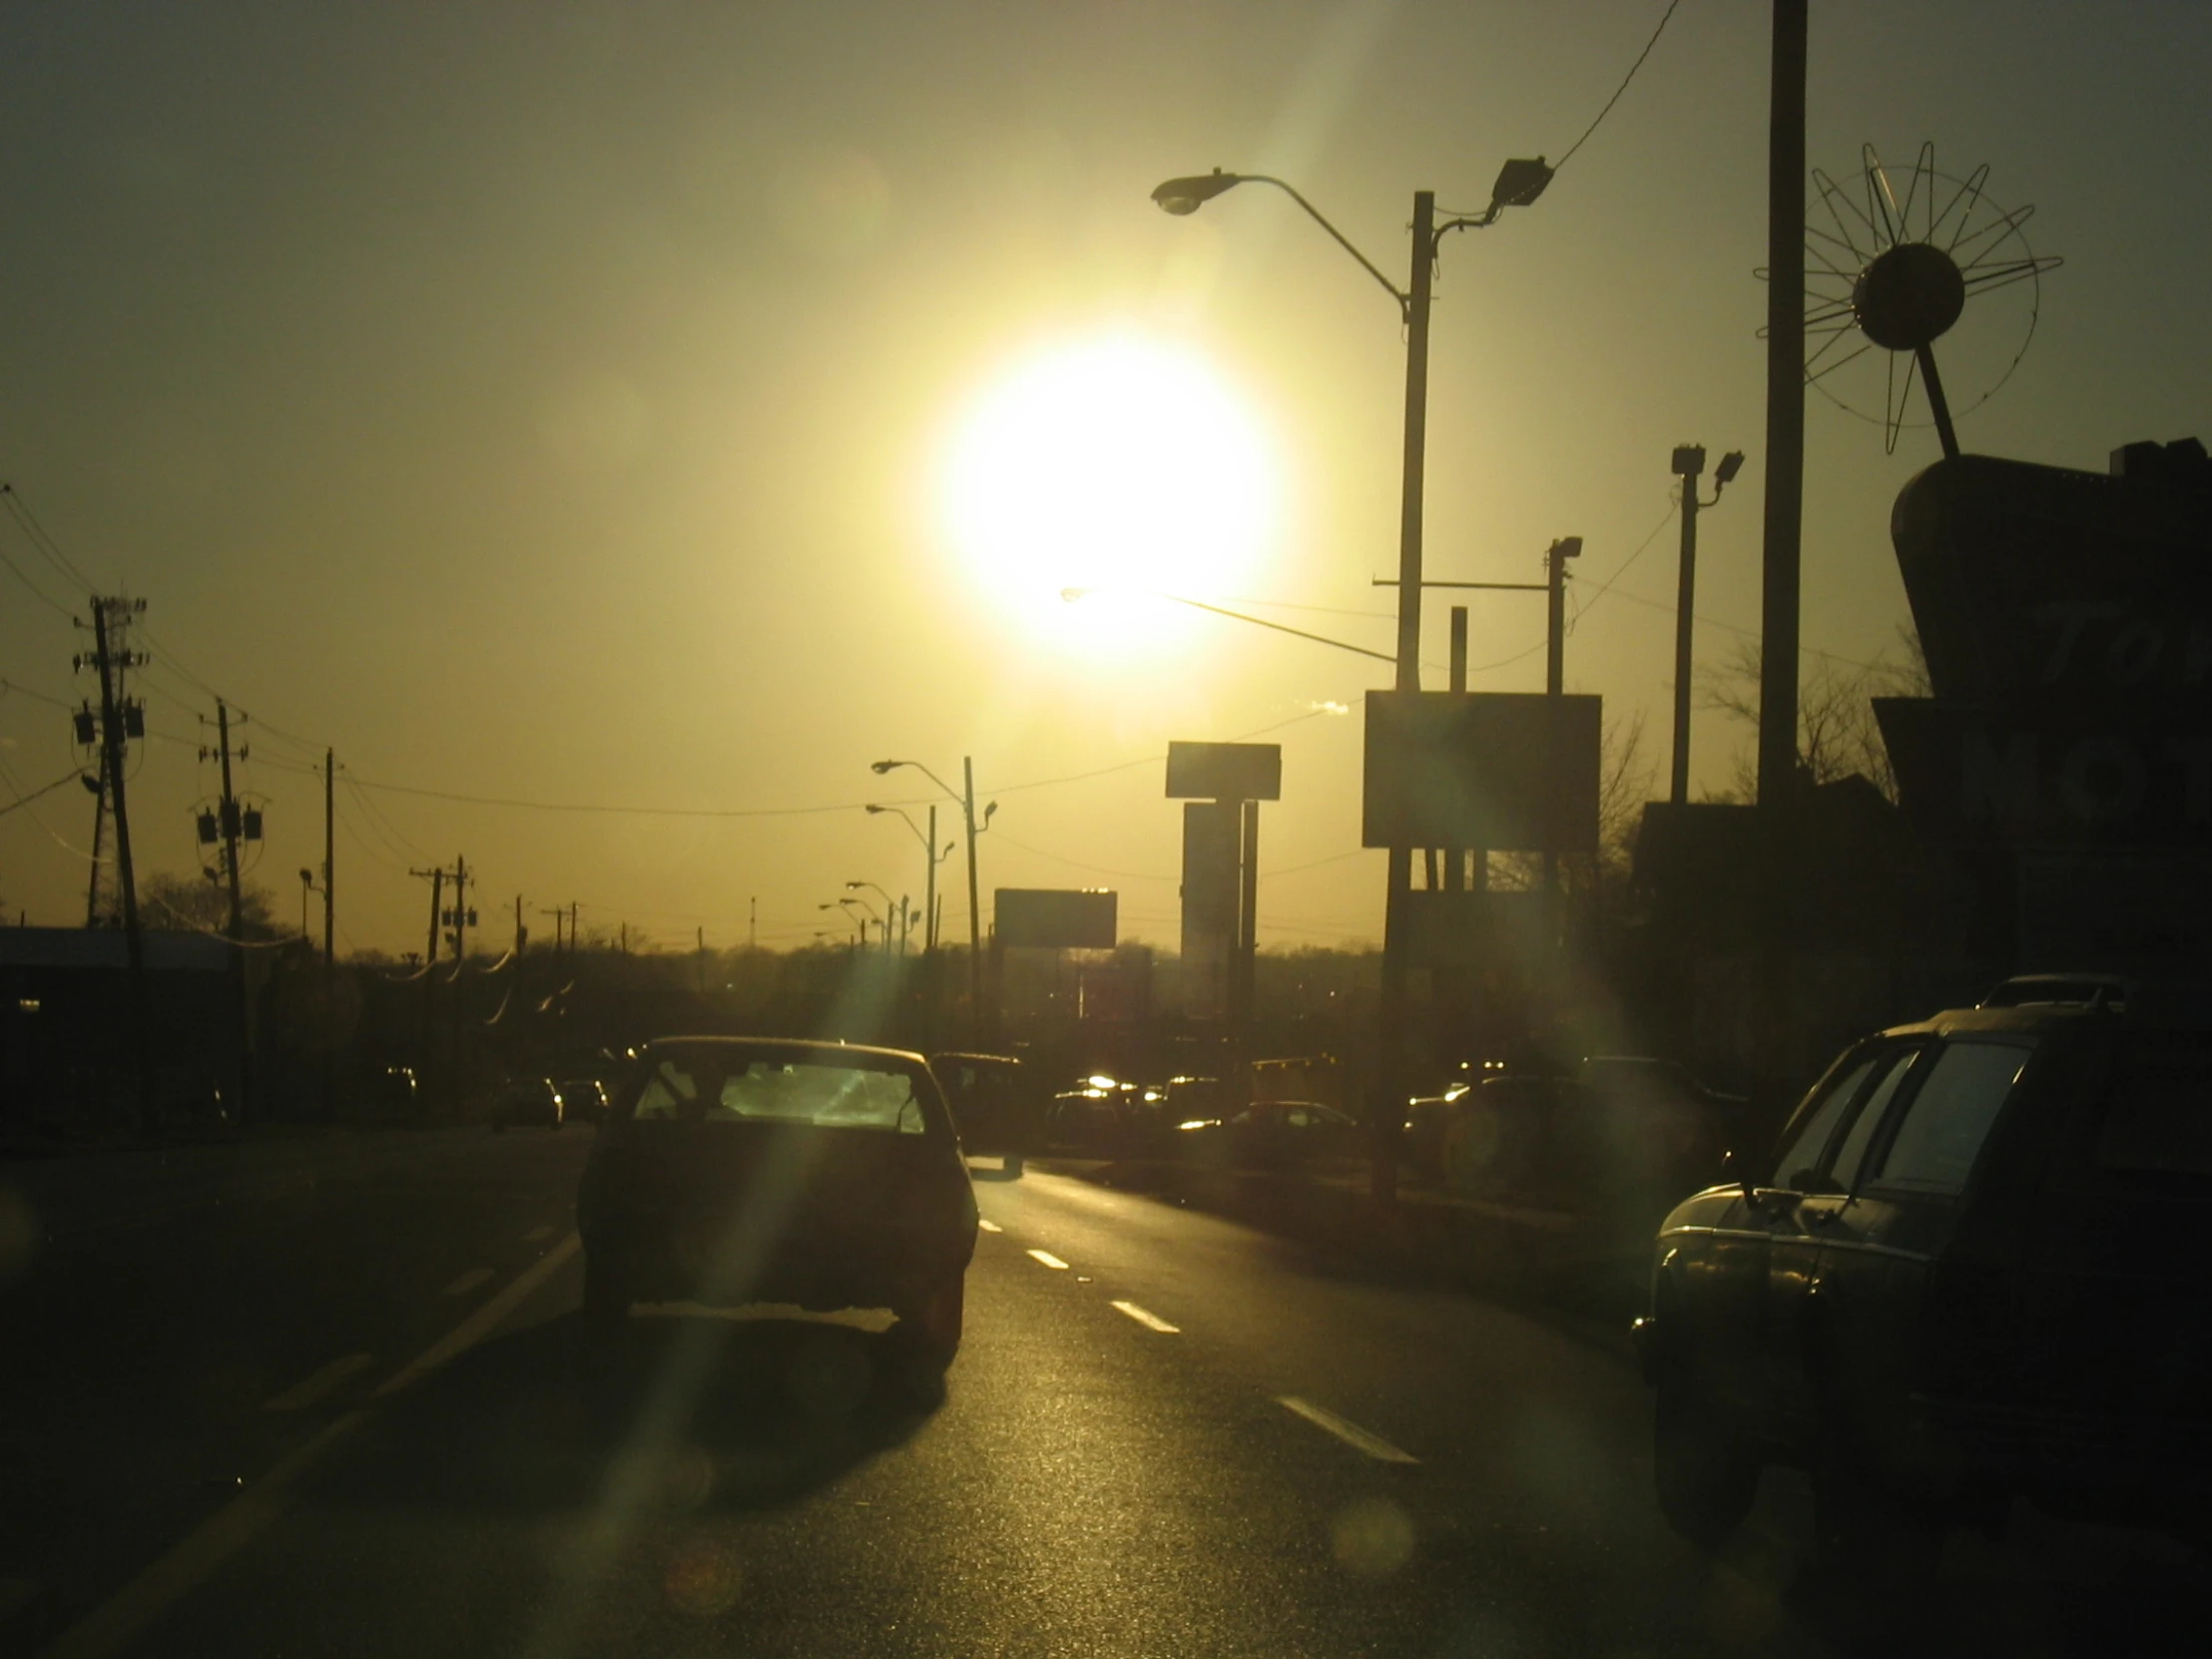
(966, 1058)
(790, 1045)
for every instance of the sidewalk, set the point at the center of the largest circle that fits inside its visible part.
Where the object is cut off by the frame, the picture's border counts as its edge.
(1565, 1259)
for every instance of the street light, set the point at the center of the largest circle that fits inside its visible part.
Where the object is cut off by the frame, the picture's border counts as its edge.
(890, 906)
(935, 857)
(964, 798)
(1689, 465)
(883, 923)
(1519, 183)
(838, 906)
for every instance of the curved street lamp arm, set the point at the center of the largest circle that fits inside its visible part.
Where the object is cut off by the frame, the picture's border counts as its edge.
(1404, 299)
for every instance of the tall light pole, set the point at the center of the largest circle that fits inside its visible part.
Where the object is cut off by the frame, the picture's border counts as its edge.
(1518, 183)
(964, 799)
(891, 908)
(935, 856)
(1689, 466)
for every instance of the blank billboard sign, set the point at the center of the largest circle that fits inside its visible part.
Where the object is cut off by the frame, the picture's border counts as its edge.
(1056, 919)
(1225, 771)
(1481, 769)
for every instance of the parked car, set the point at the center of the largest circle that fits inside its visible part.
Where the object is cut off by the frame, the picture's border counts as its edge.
(1975, 1271)
(991, 1103)
(734, 1171)
(583, 1100)
(1271, 1134)
(528, 1100)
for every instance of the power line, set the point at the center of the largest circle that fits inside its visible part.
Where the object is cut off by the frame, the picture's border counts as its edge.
(1623, 87)
(69, 776)
(20, 510)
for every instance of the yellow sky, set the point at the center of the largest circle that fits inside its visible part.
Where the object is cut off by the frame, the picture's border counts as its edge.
(555, 404)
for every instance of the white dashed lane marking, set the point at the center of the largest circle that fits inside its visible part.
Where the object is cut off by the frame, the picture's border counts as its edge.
(302, 1395)
(1048, 1259)
(468, 1281)
(1374, 1445)
(1149, 1319)
(991, 1227)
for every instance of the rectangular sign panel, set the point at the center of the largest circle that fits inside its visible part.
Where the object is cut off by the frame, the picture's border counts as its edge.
(1225, 771)
(1056, 919)
(1506, 772)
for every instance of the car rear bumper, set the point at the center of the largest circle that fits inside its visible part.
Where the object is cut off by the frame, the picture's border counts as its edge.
(731, 1266)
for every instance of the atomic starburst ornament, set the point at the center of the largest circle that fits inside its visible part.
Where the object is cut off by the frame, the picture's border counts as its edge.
(1893, 273)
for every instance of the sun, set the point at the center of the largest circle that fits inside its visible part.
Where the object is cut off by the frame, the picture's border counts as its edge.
(1114, 468)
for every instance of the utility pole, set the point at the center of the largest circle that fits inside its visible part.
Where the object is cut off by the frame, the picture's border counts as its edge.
(929, 890)
(1779, 559)
(436, 879)
(975, 907)
(118, 717)
(460, 912)
(330, 862)
(753, 922)
(228, 809)
(1555, 677)
(522, 935)
(1689, 466)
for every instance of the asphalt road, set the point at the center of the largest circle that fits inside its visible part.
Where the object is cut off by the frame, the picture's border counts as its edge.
(315, 1398)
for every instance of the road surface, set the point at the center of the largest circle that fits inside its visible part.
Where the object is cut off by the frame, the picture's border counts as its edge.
(316, 1396)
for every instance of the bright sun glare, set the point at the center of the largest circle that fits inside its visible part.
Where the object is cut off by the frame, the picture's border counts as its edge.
(1122, 467)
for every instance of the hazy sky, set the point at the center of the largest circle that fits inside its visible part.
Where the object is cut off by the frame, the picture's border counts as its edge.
(557, 402)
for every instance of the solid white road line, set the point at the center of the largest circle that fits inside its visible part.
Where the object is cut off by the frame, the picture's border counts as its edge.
(989, 1226)
(116, 1623)
(468, 1282)
(1048, 1259)
(484, 1320)
(300, 1395)
(1375, 1446)
(1149, 1321)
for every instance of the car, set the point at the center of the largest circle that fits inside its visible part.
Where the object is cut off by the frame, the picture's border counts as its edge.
(733, 1171)
(991, 1102)
(1269, 1135)
(583, 1100)
(527, 1100)
(1972, 1273)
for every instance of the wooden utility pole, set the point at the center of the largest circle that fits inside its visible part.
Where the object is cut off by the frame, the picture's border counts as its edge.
(329, 934)
(1778, 560)
(114, 730)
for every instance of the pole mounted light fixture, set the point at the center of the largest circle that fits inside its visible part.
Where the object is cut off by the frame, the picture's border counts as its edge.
(1689, 465)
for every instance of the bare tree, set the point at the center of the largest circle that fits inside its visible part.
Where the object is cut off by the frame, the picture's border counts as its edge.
(1836, 732)
(201, 903)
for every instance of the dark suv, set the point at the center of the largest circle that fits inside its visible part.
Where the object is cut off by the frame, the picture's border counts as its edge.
(1978, 1272)
(732, 1171)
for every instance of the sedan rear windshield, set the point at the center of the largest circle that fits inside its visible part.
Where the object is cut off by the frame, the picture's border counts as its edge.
(702, 1087)
(2158, 1115)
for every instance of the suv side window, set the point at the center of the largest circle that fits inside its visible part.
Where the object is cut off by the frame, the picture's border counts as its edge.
(1852, 1153)
(1819, 1122)
(1934, 1148)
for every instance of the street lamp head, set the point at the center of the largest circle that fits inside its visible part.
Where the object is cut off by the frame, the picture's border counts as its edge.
(1075, 596)
(871, 807)
(1519, 183)
(1730, 464)
(881, 767)
(851, 884)
(307, 876)
(1568, 547)
(988, 811)
(1688, 460)
(1187, 196)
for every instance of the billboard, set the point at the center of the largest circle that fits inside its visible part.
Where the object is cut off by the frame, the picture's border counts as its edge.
(1225, 771)
(1056, 919)
(1486, 770)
